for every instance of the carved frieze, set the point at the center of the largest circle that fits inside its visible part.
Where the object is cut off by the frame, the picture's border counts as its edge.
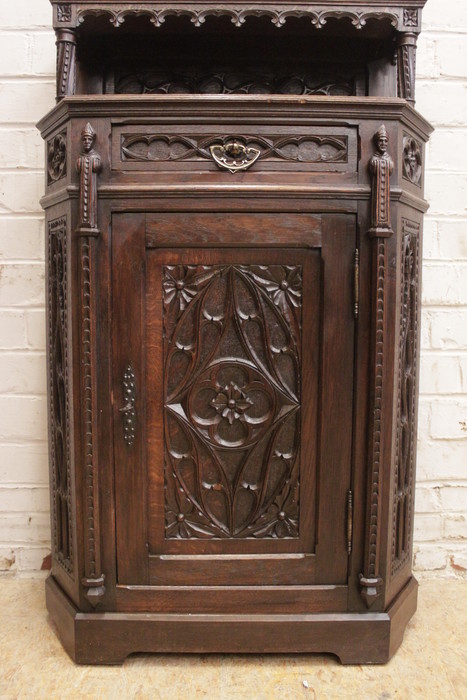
(59, 398)
(167, 148)
(232, 345)
(232, 82)
(56, 158)
(381, 166)
(412, 160)
(404, 461)
(239, 13)
(88, 165)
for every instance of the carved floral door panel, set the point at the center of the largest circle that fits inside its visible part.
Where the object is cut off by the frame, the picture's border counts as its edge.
(232, 377)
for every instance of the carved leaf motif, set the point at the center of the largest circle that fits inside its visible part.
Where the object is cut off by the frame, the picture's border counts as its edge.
(232, 400)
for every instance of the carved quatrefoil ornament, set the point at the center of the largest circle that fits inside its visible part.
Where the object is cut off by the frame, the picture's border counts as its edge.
(234, 156)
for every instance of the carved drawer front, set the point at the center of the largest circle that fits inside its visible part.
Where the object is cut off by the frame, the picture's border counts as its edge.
(230, 149)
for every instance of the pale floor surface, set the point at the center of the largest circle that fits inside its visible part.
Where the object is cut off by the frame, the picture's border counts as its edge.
(430, 664)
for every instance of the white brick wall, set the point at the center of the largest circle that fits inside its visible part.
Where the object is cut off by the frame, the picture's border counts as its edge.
(27, 66)
(441, 498)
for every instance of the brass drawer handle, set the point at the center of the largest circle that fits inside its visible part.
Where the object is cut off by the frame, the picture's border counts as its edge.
(234, 156)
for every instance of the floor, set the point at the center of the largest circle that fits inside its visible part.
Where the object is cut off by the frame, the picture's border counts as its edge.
(432, 662)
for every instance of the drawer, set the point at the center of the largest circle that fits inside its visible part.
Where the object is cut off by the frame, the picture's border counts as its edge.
(215, 148)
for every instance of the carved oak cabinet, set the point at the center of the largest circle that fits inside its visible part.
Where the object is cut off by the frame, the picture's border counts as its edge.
(234, 213)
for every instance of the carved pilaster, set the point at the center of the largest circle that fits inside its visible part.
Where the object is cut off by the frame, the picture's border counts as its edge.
(381, 166)
(406, 55)
(66, 63)
(88, 166)
(370, 581)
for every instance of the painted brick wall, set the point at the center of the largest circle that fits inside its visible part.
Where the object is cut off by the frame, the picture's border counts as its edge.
(27, 65)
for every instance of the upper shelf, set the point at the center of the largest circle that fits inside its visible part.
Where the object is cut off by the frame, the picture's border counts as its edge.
(403, 15)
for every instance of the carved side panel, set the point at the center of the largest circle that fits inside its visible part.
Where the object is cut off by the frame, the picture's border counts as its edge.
(59, 399)
(404, 462)
(232, 345)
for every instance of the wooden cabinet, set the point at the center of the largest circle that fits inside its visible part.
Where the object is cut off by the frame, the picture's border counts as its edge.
(233, 323)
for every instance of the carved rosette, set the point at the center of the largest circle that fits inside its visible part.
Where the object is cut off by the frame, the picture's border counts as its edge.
(412, 160)
(59, 394)
(232, 345)
(66, 62)
(56, 158)
(381, 166)
(64, 13)
(411, 18)
(404, 459)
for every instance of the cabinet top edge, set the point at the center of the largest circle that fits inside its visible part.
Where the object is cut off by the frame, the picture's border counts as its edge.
(239, 107)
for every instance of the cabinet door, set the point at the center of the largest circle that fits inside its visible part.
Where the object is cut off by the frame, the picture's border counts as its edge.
(232, 362)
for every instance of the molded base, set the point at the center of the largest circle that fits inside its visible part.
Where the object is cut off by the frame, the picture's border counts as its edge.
(108, 638)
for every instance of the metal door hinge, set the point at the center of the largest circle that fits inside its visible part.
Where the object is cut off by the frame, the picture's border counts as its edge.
(349, 521)
(356, 283)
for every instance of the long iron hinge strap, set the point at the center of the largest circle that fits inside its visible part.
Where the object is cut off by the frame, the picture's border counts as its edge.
(349, 521)
(356, 283)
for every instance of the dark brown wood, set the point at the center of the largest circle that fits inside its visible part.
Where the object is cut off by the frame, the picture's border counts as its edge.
(110, 637)
(233, 320)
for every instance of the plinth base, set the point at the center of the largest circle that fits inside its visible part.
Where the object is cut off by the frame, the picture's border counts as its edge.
(108, 638)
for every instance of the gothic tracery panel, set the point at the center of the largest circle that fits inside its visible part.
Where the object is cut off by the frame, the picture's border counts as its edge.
(404, 468)
(59, 410)
(232, 337)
